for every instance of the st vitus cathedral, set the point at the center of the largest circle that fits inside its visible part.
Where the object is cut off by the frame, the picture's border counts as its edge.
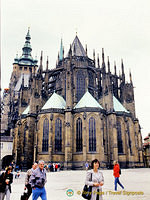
(73, 113)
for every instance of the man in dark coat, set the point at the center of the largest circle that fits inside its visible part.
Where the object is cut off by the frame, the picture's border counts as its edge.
(6, 180)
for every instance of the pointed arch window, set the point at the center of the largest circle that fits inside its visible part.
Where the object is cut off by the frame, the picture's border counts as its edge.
(92, 134)
(45, 141)
(79, 135)
(129, 139)
(119, 136)
(58, 135)
(80, 85)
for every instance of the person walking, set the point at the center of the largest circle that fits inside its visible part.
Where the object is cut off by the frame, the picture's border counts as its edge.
(95, 179)
(116, 173)
(27, 184)
(86, 166)
(6, 180)
(37, 181)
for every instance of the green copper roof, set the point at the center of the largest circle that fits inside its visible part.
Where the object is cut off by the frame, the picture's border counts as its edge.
(61, 51)
(26, 58)
(118, 107)
(55, 101)
(88, 101)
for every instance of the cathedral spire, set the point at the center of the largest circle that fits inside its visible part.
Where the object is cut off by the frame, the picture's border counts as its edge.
(86, 49)
(47, 64)
(130, 75)
(115, 70)
(98, 61)
(27, 46)
(103, 60)
(61, 51)
(41, 63)
(70, 52)
(26, 58)
(122, 66)
(108, 65)
(94, 55)
(123, 74)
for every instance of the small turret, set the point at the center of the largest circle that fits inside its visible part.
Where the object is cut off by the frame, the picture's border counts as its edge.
(41, 63)
(123, 74)
(103, 60)
(47, 65)
(61, 53)
(108, 65)
(130, 75)
(94, 55)
(98, 61)
(115, 69)
(86, 49)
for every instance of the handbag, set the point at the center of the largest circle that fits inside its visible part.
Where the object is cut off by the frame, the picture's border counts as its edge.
(87, 191)
(24, 196)
(119, 171)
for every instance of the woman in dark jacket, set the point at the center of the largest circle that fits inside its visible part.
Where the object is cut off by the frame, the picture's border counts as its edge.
(6, 179)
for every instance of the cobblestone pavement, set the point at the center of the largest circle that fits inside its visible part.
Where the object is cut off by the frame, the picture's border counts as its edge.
(134, 180)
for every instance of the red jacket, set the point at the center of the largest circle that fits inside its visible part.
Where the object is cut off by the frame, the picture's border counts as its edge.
(116, 170)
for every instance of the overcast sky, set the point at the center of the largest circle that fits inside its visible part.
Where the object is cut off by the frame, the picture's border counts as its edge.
(121, 27)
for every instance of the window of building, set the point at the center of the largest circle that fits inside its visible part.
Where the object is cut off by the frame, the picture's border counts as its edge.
(20, 68)
(129, 139)
(92, 134)
(45, 141)
(25, 68)
(79, 135)
(80, 85)
(58, 135)
(119, 136)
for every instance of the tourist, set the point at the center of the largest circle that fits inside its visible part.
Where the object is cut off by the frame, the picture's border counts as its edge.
(6, 180)
(95, 179)
(27, 184)
(37, 181)
(86, 166)
(116, 173)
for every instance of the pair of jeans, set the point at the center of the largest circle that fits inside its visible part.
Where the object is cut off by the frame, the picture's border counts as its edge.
(7, 193)
(39, 192)
(117, 181)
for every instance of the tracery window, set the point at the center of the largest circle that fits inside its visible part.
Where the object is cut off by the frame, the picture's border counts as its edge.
(79, 135)
(58, 135)
(45, 141)
(129, 139)
(92, 134)
(80, 85)
(119, 136)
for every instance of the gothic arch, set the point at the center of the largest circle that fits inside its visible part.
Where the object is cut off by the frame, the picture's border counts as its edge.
(79, 134)
(45, 139)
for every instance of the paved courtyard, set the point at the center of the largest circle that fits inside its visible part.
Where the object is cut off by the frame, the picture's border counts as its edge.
(134, 180)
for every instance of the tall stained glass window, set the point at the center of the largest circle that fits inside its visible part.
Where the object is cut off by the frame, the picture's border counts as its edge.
(79, 135)
(45, 141)
(58, 135)
(80, 85)
(92, 134)
(119, 136)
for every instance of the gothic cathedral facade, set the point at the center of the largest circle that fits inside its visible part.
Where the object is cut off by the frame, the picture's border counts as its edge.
(73, 113)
